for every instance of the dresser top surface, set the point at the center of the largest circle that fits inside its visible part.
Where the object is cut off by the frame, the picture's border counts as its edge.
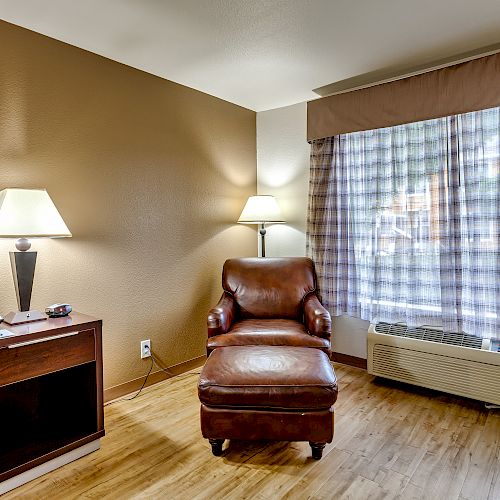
(45, 327)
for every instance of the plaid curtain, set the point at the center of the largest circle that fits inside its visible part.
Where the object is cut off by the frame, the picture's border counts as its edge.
(404, 223)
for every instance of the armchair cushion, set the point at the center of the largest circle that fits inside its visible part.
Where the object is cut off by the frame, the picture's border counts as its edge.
(270, 332)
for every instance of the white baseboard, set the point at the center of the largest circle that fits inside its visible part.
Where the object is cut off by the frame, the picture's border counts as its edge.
(49, 466)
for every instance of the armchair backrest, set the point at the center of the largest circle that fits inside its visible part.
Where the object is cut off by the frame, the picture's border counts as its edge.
(269, 287)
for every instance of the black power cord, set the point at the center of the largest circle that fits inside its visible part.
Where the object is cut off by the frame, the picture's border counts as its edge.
(157, 363)
(139, 391)
(153, 363)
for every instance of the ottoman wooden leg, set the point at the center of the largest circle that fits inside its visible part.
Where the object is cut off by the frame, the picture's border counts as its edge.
(317, 450)
(217, 446)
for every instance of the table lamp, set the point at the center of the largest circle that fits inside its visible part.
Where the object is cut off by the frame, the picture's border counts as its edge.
(261, 210)
(27, 213)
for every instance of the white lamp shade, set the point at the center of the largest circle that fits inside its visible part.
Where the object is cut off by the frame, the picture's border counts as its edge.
(260, 209)
(30, 213)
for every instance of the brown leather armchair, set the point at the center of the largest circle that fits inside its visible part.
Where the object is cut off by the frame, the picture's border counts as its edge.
(269, 301)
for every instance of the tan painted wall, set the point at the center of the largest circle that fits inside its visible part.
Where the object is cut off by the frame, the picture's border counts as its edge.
(149, 176)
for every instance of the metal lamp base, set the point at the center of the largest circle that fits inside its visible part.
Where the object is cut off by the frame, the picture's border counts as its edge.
(18, 317)
(23, 271)
(262, 232)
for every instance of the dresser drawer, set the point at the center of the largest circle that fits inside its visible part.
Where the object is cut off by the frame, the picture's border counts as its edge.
(39, 357)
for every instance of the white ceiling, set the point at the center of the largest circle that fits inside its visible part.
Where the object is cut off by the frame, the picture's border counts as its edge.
(263, 54)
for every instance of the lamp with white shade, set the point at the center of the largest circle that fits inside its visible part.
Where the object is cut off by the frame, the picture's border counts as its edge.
(261, 210)
(27, 213)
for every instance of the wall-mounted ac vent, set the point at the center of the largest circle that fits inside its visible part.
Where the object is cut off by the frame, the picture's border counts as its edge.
(456, 363)
(431, 335)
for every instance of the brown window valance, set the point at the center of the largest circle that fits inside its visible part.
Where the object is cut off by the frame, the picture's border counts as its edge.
(465, 87)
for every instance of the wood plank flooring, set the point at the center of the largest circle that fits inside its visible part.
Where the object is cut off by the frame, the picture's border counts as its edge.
(391, 441)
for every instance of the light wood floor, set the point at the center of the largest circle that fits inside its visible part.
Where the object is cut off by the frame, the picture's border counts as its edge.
(391, 441)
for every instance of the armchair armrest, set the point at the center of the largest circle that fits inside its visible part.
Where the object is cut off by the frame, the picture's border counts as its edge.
(316, 318)
(221, 316)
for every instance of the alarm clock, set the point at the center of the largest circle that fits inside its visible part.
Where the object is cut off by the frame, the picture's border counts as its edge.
(58, 310)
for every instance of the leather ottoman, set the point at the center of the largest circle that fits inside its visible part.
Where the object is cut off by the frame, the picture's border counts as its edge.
(267, 393)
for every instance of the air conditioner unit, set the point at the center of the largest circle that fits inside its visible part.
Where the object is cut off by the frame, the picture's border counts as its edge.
(450, 362)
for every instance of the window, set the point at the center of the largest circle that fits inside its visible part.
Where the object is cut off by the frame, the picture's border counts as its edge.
(404, 223)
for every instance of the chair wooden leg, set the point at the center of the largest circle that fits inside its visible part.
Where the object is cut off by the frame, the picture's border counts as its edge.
(216, 446)
(317, 450)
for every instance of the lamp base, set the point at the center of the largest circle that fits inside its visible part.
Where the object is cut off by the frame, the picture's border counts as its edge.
(18, 317)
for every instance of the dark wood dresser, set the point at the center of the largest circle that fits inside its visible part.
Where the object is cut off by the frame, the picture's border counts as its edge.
(51, 396)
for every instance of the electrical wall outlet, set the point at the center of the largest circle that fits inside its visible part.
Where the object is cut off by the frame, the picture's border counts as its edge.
(145, 349)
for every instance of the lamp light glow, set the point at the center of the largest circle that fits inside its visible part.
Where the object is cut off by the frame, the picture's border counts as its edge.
(27, 213)
(30, 213)
(261, 209)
